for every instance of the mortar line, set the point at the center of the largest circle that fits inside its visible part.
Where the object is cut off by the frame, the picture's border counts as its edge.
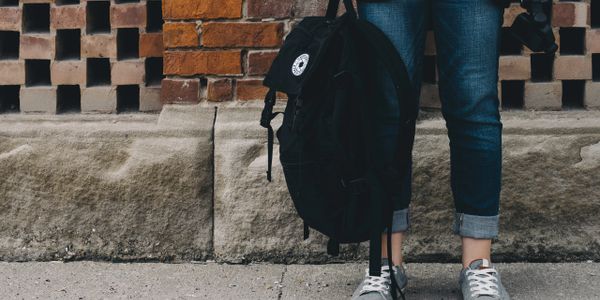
(280, 287)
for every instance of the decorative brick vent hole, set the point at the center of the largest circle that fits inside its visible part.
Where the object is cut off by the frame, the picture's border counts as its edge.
(37, 72)
(98, 71)
(98, 16)
(68, 45)
(9, 98)
(9, 45)
(36, 18)
(512, 94)
(128, 43)
(67, 2)
(572, 40)
(154, 21)
(9, 3)
(541, 67)
(68, 98)
(573, 93)
(128, 98)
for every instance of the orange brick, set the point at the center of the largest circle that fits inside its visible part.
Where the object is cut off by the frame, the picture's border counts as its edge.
(225, 34)
(250, 90)
(227, 62)
(220, 90)
(180, 35)
(180, 90)
(151, 45)
(260, 62)
(202, 9)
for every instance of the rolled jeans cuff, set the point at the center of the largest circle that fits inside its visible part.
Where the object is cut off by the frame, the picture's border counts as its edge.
(473, 226)
(400, 222)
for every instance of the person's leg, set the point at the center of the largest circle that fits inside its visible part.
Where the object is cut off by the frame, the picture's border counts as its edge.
(467, 36)
(404, 23)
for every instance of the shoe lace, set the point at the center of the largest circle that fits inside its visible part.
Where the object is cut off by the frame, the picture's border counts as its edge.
(380, 284)
(483, 282)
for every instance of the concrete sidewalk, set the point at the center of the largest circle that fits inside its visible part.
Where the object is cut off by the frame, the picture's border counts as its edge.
(100, 280)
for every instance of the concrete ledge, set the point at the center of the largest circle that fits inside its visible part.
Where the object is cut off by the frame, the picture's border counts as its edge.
(120, 188)
(140, 187)
(550, 199)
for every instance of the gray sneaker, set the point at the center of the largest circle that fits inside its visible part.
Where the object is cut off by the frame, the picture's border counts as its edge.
(481, 281)
(378, 287)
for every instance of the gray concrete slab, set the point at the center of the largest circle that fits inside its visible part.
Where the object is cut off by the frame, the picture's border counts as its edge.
(101, 280)
(440, 281)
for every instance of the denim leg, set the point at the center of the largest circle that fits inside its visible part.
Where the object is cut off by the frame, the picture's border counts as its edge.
(467, 34)
(404, 23)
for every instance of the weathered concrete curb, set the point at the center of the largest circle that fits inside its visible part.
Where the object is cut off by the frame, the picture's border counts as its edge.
(550, 199)
(141, 187)
(91, 187)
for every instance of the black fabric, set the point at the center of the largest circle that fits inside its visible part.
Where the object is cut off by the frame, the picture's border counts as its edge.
(331, 158)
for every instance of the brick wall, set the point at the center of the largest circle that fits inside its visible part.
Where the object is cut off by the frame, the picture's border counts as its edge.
(219, 50)
(107, 56)
(89, 56)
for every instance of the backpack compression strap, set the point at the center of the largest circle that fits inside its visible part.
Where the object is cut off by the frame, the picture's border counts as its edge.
(265, 121)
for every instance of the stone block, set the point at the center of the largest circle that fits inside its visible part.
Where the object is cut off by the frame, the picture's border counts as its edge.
(99, 45)
(99, 99)
(573, 67)
(121, 188)
(10, 18)
(39, 46)
(255, 219)
(592, 95)
(514, 67)
(13, 72)
(543, 95)
(67, 17)
(68, 72)
(150, 98)
(128, 15)
(39, 99)
(127, 72)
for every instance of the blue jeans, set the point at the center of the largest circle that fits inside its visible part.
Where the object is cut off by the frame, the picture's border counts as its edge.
(467, 36)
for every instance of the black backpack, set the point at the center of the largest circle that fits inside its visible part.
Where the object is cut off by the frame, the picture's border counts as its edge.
(336, 175)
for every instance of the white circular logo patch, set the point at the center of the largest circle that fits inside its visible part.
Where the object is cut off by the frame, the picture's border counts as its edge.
(300, 64)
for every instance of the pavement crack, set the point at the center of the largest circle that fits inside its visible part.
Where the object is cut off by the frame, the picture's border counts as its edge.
(280, 285)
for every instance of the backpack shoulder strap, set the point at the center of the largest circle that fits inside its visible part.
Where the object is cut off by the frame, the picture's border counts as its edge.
(267, 116)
